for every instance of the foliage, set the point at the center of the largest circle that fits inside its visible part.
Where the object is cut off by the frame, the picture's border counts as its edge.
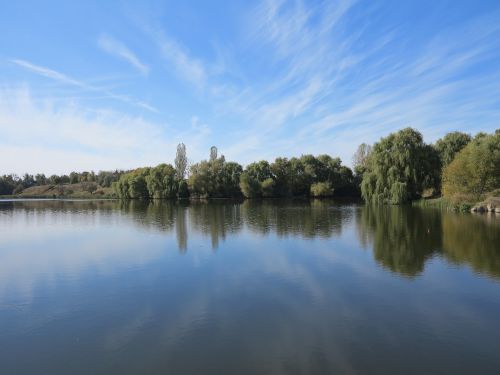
(360, 158)
(162, 182)
(295, 177)
(450, 145)
(181, 161)
(475, 169)
(155, 183)
(268, 187)
(399, 168)
(250, 185)
(215, 179)
(321, 189)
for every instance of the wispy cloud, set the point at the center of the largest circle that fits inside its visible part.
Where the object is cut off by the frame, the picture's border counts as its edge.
(327, 89)
(48, 73)
(120, 50)
(294, 76)
(58, 137)
(187, 67)
(64, 79)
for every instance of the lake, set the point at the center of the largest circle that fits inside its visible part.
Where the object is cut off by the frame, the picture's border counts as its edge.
(259, 287)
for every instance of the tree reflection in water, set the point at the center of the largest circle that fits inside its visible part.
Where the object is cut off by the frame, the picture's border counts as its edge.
(401, 238)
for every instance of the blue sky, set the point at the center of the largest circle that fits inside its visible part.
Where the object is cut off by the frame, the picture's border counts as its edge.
(97, 85)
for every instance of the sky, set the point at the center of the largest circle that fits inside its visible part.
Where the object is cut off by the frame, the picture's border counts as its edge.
(101, 85)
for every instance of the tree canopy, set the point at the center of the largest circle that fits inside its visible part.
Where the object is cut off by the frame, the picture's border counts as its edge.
(308, 175)
(399, 168)
(450, 144)
(475, 170)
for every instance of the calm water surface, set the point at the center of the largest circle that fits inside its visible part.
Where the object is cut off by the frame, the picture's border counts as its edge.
(253, 288)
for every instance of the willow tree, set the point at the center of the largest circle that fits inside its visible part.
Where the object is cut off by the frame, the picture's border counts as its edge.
(399, 168)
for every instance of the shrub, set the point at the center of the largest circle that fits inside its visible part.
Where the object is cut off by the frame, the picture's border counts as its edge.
(321, 189)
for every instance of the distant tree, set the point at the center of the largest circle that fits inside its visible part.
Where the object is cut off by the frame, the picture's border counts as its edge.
(7, 184)
(213, 153)
(40, 179)
(260, 170)
(54, 180)
(138, 188)
(250, 186)
(64, 179)
(162, 182)
(121, 187)
(300, 176)
(229, 179)
(360, 158)
(450, 145)
(74, 178)
(215, 178)
(181, 161)
(28, 181)
(280, 171)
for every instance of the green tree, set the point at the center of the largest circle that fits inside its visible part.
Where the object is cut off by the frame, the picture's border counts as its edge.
(40, 179)
(475, 170)
(162, 182)
(138, 187)
(215, 178)
(280, 171)
(399, 168)
(181, 161)
(360, 158)
(450, 145)
(250, 186)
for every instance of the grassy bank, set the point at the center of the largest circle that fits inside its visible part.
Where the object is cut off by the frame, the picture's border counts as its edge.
(64, 191)
(444, 204)
(460, 205)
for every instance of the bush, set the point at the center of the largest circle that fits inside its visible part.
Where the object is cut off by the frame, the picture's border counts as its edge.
(321, 189)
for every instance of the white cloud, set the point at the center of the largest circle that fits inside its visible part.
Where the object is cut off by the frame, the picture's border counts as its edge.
(186, 66)
(64, 79)
(325, 94)
(58, 137)
(118, 49)
(48, 73)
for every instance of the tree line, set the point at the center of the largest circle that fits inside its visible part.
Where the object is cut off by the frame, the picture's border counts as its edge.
(401, 167)
(397, 169)
(321, 176)
(12, 184)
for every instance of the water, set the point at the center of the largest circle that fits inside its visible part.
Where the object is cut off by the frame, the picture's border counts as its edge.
(269, 287)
